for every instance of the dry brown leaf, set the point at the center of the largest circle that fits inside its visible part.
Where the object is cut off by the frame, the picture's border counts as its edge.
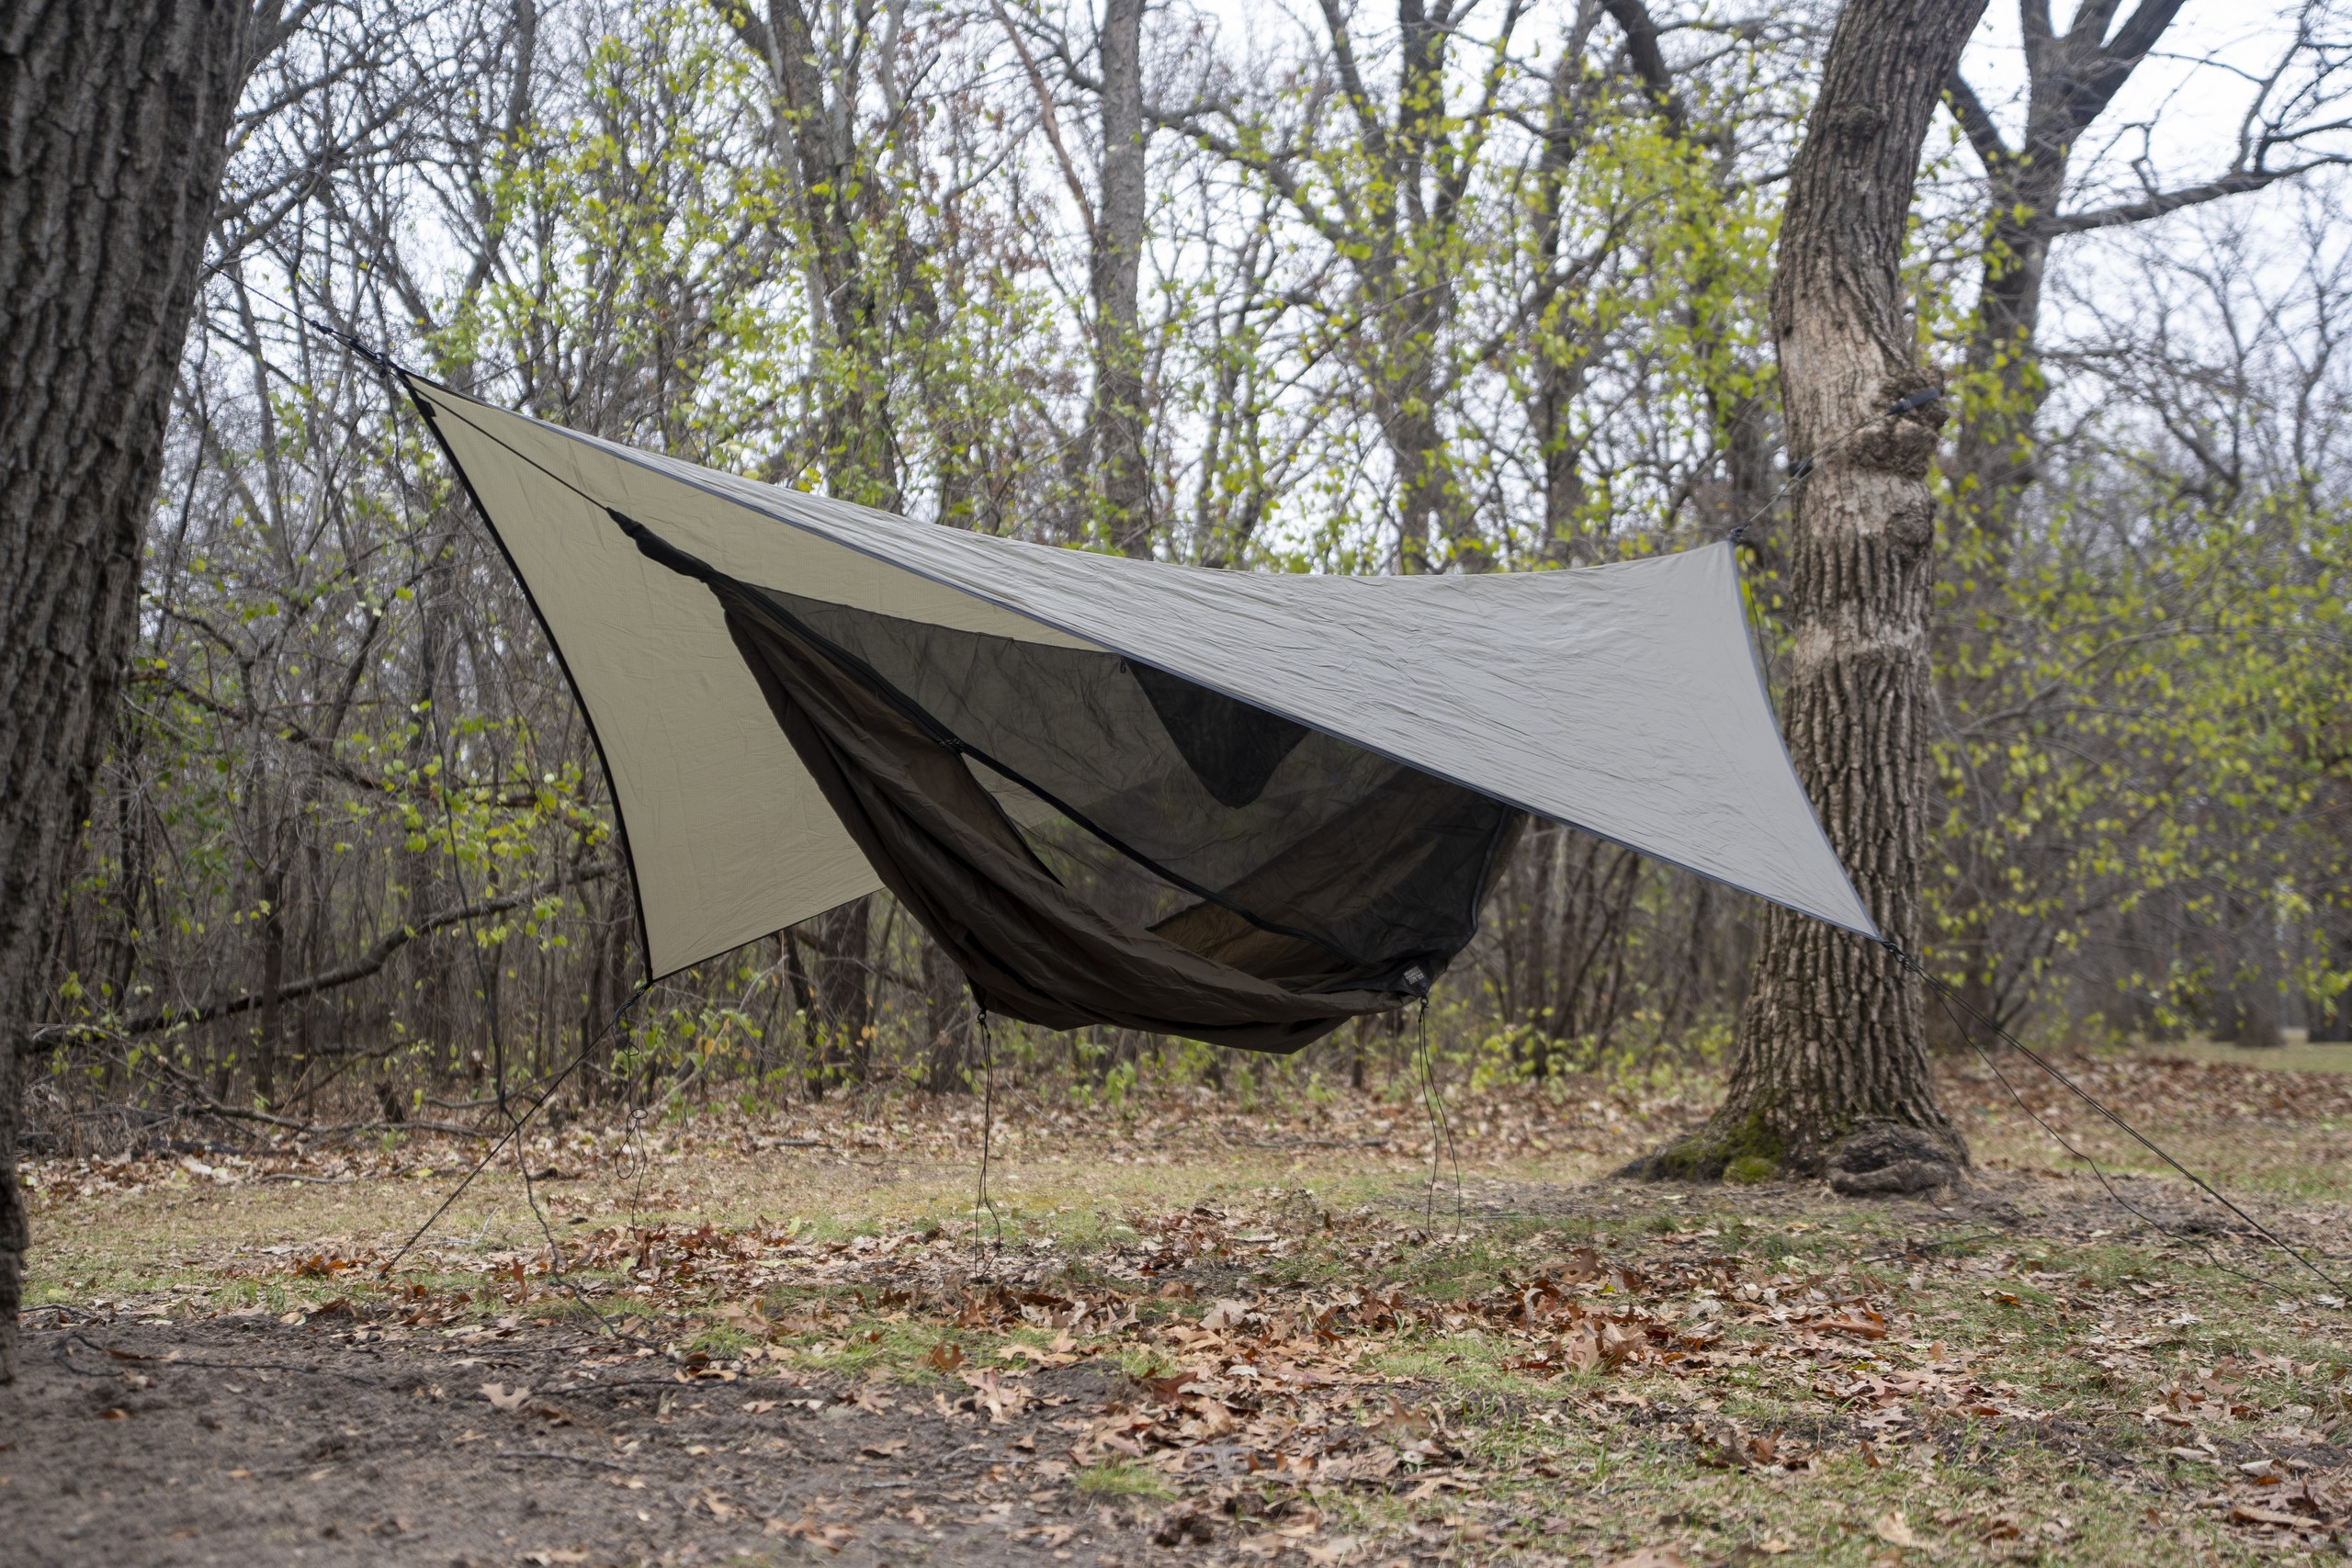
(1652, 1557)
(1895, 1530)
(504, 1398)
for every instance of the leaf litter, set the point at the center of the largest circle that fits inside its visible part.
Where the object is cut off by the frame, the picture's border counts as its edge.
(1275, 1377)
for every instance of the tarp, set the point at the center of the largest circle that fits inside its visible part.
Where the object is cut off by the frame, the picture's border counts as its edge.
(1624, 700)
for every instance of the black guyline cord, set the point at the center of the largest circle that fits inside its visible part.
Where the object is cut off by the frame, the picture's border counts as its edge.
(1953, 1005)
(387, 366)
(393, 371)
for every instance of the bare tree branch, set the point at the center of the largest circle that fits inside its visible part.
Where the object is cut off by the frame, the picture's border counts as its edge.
(368, 963)
(2156, 205)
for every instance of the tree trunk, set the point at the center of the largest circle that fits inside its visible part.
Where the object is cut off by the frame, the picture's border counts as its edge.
(951, 1025)
(838, 189)
(2071, 79)
(273, 977)
(113, 121)
(1118, 267)
(845, 993)
(1832, 1070)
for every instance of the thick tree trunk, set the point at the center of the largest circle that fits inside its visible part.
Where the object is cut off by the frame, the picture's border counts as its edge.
(1118, 270)
(1832, 1070)
(113, 120)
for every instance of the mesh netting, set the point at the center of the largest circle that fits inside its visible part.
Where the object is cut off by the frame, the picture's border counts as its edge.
(1231, 831)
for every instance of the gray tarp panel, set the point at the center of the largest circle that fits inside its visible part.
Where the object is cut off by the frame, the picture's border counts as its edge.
(1622, 699)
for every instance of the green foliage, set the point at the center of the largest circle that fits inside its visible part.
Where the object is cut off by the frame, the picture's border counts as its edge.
(2147, 726)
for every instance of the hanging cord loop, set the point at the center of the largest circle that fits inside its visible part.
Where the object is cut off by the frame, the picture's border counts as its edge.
(1441, 1126)
(980, 1198)
(1803, 468)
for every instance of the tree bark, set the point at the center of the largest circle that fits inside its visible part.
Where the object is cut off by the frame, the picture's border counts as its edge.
(113, 121)
(1118, 270)
(1832, 1068)
(844, 996)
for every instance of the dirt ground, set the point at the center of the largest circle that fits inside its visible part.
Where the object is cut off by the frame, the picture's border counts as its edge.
(245, 1441)
(1208, 1337)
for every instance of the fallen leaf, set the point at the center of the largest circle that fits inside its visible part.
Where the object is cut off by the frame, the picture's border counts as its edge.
(1773, 1546)
(1863, 1326)
(945, 1355)
(829, 1537)
(501, 1397)
(1436, 1485)
(1895, 1530)
(1227, 1315)
(890, 1450)
(1652, 1557)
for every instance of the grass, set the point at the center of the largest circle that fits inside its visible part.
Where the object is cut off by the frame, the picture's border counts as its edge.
(2101, 1384)
(1122, 1479)
(2318, 1056)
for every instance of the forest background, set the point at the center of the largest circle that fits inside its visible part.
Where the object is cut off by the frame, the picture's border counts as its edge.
(1473, 287)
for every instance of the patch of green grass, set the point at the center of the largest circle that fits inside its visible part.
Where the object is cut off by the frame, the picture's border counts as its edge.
(1123, 1478)
(1144, 1362)
(898, 1352)
(721, 1343)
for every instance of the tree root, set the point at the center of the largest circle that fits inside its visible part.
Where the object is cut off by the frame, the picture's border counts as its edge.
(1879, 1159)
(1886, 1158)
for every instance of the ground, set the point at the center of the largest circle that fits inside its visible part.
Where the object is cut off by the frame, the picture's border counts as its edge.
(1199, 1330)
